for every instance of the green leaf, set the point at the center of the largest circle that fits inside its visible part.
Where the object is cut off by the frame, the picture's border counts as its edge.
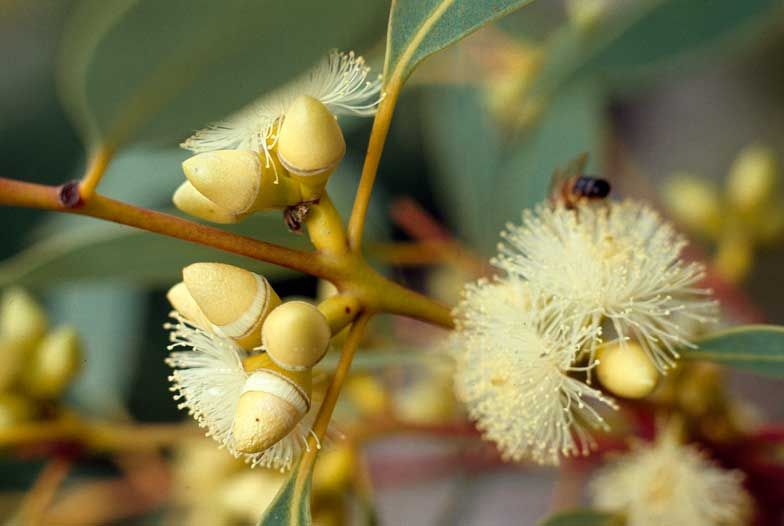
(150, 70)
(582, 517)
(633, 39)
(484, 180)
(755, 348)
(291, 506)
(419, 28)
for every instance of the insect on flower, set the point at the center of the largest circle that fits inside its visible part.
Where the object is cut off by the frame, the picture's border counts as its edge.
(571, 186)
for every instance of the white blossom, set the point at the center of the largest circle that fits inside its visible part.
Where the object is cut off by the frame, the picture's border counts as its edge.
(514, 373)
(208, 380)
(616, 263)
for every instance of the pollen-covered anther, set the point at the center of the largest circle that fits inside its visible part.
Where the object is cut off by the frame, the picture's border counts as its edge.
(270, 407)
(234, 300)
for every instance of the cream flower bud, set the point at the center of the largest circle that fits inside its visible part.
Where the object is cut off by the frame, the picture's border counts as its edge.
(753, 178)
(182, 301)
(310, 142)
(54, 364)
(626, 370)
(21, 318)
(234, 300)
(239, 182)
(269, 408)
(694, 202)
(190, 201)
(296, 335)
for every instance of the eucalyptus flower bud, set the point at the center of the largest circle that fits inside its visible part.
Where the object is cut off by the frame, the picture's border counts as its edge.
(234, 300)
(296, 335)
(182, 301)
(15, 409)
(626, 370)
(190, 201)
(310, 142)
(12, 358)
(695, 203)
(21, 318)
(54, 364)
(240, 182)
(272, 404)
(753, 179)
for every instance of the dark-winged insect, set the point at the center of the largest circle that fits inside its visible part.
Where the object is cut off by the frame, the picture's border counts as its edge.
(295, 215)
(571, 186)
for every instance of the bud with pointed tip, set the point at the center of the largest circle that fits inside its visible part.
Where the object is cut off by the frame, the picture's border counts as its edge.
(270, 407)
(54, 364)
(626, 370)
(182, 301)
(21, 318)
(296, 335)
(239, 182)
(310, 142)
(192, 202)
(234, 300)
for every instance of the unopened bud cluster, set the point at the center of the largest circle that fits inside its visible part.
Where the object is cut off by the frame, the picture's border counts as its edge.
(36, 364)
(278, 343)
(749, 212)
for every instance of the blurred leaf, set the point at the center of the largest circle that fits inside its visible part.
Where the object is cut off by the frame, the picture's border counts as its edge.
(634, 37)
(485, 180)
(291, 506)
(71, 248)
(419, 28)
(151, 70)
(755, 348)
(583, 517)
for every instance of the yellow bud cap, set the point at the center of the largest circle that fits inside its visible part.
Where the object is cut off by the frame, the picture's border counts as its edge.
(753, 179)
(15, 409)
(626, 370)
(694, 202)
(229, 178)
(182, 301)
(190, 201)
(295, 335)
(54, 364)
(310, 141)
(269, 409)
(21, 318)
(234, 300)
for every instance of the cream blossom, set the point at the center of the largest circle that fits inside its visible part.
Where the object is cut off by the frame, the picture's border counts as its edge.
(209, 378)
(615, 264)
(670, 483)
(514, 373)
(339, 82)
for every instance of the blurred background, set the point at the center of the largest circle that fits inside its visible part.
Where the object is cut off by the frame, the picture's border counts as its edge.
(673, 99)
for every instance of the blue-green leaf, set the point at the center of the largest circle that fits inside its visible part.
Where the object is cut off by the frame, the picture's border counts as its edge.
(755, 348)
(419, 28)
(291, 506)
(151, 70)
(582, 517)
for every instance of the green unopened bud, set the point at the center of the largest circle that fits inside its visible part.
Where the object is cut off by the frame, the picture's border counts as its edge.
(753, 179)
(190, 201)
(310, 142)
(21, 318)
(54, 364)
(240, 182)
(626, 370)
(694, 202)
(15, 409)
